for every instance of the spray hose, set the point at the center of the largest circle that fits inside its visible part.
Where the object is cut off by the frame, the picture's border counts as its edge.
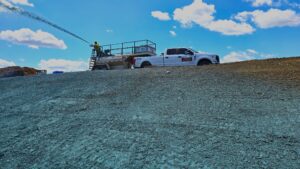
(38, 18)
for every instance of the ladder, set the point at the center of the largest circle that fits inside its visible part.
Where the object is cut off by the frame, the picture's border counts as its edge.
(92, 60)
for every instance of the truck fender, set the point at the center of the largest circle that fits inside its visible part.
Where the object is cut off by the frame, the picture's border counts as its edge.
(204, 61)
(146, 64)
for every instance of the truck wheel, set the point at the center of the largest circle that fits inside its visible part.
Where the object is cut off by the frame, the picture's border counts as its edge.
(204, 62)
(146, 65)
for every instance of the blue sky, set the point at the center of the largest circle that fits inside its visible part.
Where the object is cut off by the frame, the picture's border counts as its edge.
(236, 30)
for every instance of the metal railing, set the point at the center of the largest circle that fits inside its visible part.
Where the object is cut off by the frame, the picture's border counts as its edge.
(128, 48)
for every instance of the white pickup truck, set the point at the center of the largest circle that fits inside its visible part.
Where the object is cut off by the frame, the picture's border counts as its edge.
(177, 57)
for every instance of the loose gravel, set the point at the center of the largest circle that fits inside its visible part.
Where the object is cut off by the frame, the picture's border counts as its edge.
(242, 115)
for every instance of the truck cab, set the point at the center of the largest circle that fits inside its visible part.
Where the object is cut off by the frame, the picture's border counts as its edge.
(177, 57)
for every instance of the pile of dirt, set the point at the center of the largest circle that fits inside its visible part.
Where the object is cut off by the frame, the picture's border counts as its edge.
(239, 115)
(18, 71)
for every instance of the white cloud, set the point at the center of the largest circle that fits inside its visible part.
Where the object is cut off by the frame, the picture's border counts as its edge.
(249, 54)
(6, 2)
(22, 2)
(229, 27)
(198, 12)
(2, 9)
(257, 3)
(109, 31)
(163, 16)
(293, 4)
(274, 3)
(229, 47)
(12, 3)
(271, 18)
(5, 63)
(173, 33)
(33, 46)
(236, 57)
(251, 51)
(202, 14)
(32, 39)
(63, 65)
(202, 52)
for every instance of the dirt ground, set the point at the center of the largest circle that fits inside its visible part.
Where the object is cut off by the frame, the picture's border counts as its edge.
(242, 115)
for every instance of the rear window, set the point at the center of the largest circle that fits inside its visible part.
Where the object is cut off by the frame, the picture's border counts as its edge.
(171, 52)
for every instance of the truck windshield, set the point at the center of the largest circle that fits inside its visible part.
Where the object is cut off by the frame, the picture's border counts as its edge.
(193, 50)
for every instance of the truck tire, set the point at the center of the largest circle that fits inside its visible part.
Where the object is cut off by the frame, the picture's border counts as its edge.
(146, 65)
(204, 62)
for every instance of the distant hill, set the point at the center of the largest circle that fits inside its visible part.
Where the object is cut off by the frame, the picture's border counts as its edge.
(19, 71)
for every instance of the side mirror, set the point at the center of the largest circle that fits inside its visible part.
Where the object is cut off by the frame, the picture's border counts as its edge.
(162, 54)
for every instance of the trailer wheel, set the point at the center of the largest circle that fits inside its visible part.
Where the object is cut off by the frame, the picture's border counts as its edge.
(204, 62)
(146, 65)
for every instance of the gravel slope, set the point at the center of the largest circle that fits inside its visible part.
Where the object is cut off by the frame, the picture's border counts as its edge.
(242, 115)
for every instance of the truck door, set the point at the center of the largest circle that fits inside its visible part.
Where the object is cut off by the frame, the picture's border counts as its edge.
(186, 57)
(171, 58)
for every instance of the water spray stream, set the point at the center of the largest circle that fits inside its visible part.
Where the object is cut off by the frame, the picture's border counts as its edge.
(38, 18)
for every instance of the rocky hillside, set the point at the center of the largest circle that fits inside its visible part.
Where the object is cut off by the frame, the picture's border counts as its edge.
(241, 115)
